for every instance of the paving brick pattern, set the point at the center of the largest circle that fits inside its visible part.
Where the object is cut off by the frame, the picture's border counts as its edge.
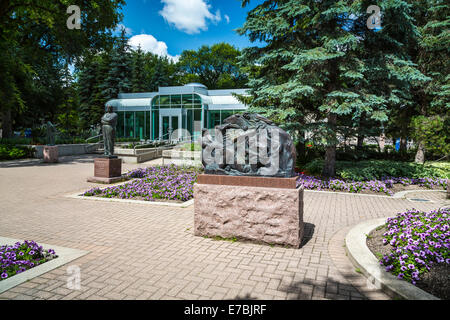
(140, 251)
(434, 196)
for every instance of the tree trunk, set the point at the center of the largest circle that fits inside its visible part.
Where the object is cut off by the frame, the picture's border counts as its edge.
(301, 150)
(403, 144)
(381, 142)
(420, 155)
(329, 168)
(6, 124)
(360, 142)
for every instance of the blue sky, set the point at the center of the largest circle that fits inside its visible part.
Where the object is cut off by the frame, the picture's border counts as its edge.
(167, 27)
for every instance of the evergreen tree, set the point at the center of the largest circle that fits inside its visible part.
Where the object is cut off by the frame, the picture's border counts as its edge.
(433, 98)
(118, 79)
(321, 61)
(434, 54)
(92, 89)
(160, 76)
(87, 83)
(138, 71)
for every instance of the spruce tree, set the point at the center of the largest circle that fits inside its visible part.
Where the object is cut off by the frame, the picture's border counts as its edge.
(322, 62)
(160, 77)
(433, 98)
(84, 89)
(138, 71)
(118, 78)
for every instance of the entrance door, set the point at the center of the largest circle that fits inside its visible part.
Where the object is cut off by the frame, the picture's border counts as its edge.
(165, 127)
(174, 123)
(171, 121)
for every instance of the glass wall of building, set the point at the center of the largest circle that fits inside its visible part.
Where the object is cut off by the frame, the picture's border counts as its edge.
(190, 116)
(148, 116)
(139, 125)
(120, 124)
(145, 125)
(129, 124)
(216, 117)
(133, 124)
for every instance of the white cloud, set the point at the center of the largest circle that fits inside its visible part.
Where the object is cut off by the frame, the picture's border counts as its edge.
(150, 44)
(227, 18)
(190, 16)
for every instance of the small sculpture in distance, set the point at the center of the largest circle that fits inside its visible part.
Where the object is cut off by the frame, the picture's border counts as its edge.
(50, 134)
(109, 122)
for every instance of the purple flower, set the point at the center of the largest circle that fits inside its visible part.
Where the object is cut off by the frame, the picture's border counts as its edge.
(13, 260)
(419, 235)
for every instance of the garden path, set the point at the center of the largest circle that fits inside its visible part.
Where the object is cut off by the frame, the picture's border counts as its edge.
(140, 251)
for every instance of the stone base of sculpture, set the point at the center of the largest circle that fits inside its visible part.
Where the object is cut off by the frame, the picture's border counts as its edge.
(107, 170)
(263, 214)
(50, 154)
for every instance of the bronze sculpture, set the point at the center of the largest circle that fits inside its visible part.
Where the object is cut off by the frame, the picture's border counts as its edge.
(248, 145)
(50, 134)
(109, 122)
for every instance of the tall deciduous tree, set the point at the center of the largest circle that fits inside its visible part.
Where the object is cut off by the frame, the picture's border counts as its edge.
(215, 66)
(40, 43)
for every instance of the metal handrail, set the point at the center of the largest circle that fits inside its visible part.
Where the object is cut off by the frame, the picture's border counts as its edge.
(91, 138)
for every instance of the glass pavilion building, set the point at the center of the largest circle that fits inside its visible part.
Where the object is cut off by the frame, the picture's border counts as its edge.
(155, 115)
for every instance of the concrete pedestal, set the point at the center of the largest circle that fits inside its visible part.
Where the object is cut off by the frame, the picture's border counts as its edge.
(50, 154)
(260, 214)
(107, 170)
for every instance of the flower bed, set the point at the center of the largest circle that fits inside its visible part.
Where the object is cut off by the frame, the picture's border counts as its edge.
(414, 246)
(21, 257)
(167, 183)
(174, 183)
(378, 186)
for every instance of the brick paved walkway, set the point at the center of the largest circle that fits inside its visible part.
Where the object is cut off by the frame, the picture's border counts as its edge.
(143, 251)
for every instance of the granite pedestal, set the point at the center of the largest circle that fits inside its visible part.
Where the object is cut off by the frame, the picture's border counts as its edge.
(107, 170)
(264, 210)
(50, 154)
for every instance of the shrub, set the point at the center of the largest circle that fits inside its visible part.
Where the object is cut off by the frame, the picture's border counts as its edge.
(379, 169)
(16, 141)
(383, 186)
(442, 168)
(10, 152)
(314, 167)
